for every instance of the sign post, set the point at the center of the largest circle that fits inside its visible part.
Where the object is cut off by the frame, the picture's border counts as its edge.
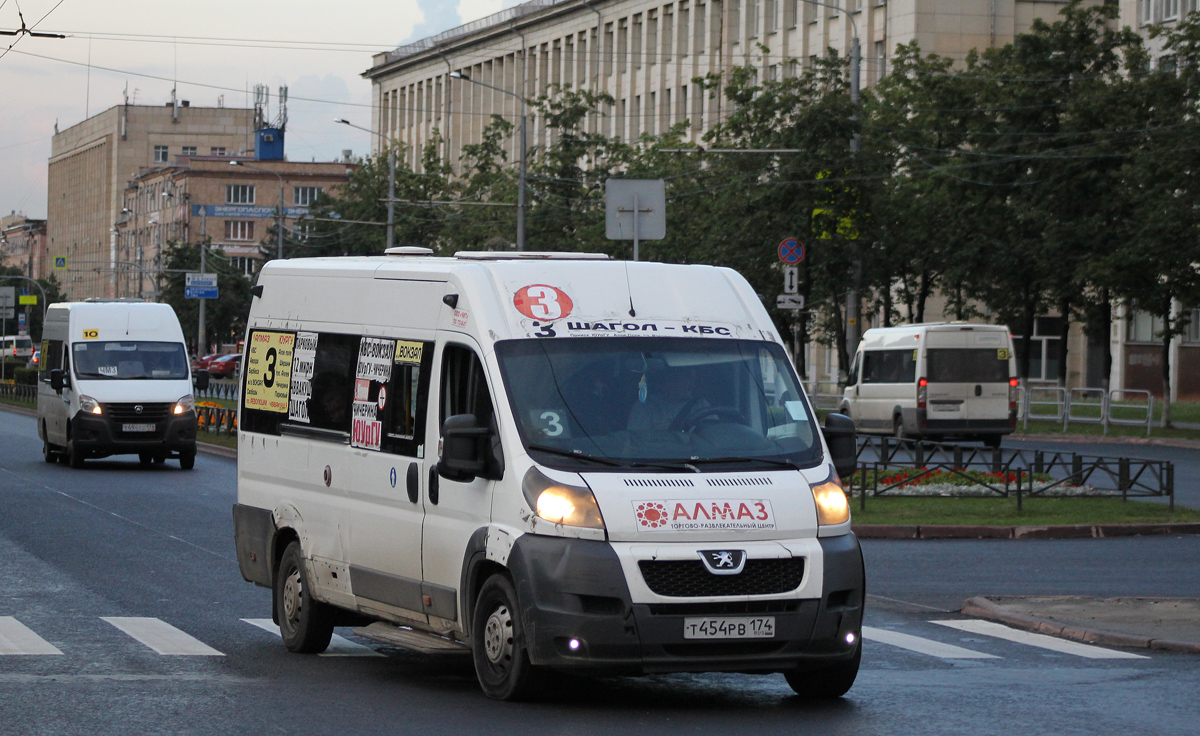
(635, 209)
(8, 298)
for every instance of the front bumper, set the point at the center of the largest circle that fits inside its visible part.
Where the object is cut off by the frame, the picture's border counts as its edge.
(99, 435)
(576, 589)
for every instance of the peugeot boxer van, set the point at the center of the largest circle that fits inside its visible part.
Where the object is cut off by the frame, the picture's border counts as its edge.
(933, 381)
(114, 379)
(16, 347)
(550, 461)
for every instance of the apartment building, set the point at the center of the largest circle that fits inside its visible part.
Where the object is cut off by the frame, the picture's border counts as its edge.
(23, 244)
(233, 201)
(91, 161)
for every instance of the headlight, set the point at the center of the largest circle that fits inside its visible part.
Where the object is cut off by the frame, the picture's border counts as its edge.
(185, 404)
(559, 503)
(88, 405)
(832, 506)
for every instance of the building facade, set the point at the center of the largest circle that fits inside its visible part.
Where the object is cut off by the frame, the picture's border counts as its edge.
(23, 245)
(91, 161)
(209, 197)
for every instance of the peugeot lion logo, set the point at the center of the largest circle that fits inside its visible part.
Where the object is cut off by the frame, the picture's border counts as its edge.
(137, 409)
(724, 561)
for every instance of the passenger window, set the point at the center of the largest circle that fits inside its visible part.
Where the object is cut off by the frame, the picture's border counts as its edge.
(408, 397)
(52, 357)
(464, 385)
(303, 379)
(889, 366)
(335, 363)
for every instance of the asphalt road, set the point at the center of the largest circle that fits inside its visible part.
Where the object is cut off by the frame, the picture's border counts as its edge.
(117, 540)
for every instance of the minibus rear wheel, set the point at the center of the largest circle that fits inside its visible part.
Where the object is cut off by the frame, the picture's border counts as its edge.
(305, 624)
(498, 642)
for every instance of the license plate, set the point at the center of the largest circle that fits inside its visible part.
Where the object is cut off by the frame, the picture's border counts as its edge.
(138, 427)
(729, 627)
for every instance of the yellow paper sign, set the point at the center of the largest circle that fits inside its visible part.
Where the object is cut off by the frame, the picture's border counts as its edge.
(1002, 354)
(27, 300)
(91, 334)
(409, 352)
(269, 370)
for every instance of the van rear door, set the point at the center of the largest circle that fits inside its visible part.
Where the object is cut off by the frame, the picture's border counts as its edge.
(968, 372)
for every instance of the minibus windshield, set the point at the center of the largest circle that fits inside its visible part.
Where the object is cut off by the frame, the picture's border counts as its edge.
(130, 360)
(691, 404)
(967, 365)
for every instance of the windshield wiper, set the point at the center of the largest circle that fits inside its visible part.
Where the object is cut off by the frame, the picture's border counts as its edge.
(575, 455)
(768, 460)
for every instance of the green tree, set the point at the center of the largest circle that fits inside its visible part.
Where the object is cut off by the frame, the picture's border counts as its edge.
(224, 317)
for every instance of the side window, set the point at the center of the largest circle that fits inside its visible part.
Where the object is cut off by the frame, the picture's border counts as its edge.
(464, 385)
(52, 356)
(855, 369)
(266, 380)
(408, 397)
(335, 363)
(889, 366)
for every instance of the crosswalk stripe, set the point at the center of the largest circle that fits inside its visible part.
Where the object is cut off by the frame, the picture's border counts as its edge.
(339, 646)
(17, 638)
(921, 645)
(1065, 646)
(161, 636)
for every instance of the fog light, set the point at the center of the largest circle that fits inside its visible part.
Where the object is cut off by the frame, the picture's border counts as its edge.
(573, 645)
(850, 638)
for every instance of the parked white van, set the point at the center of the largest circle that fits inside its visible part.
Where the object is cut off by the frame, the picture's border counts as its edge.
(933, 381)
(550, 460)
(115, 379)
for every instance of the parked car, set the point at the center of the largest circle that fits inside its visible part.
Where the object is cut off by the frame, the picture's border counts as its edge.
(224, 366)
(37, 357)
(201, 364)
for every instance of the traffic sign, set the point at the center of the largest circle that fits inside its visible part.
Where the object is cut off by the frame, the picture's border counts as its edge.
(791, 280)
(27, 300)
(791, 251)
(789, 301)
(200, 285)
(60, 262)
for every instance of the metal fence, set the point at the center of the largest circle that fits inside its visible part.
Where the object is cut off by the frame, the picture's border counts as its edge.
(884, 466)
(19, 392)
(216, 419)
(230, 391)
(1132, 407)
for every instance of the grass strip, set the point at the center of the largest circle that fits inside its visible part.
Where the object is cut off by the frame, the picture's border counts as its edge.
(1003, 511)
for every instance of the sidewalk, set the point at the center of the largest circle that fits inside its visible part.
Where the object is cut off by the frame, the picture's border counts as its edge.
(1170, 624)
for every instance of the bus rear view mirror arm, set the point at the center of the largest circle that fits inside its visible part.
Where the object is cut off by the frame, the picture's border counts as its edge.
(843, 446)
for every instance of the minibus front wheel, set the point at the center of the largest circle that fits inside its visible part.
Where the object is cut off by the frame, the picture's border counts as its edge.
(498, 642)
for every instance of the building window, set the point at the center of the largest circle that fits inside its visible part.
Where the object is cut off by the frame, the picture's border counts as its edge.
(1170, 9)
(160, 154)
(880, 60)
(735, 20)
(1192, 331)
(1144, 327)
(239, 230)
(791, 13)
(245, 264)
(853, 5)
(217, 151)
(769, 13)
(1146, 12)
(189, 150)
(239, 194)
(304, 196)
(668, 33)
(1045, 350)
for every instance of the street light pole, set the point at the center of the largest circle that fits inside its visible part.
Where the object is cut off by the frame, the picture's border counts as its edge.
(522, 175)
(279, 207)
(391, 203)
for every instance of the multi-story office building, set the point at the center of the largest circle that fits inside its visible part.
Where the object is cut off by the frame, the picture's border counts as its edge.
(206, 197)
(91, 161)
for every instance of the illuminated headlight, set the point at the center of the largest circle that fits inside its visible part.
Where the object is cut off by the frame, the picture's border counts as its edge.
(559, 503)
(832, 506)
(88, 405)
(187, 403)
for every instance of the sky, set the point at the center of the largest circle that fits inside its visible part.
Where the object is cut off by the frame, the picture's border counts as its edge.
(317, 48)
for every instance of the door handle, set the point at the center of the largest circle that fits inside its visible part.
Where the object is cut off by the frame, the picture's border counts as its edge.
(433, 484)
(978, 390)
(413, 477)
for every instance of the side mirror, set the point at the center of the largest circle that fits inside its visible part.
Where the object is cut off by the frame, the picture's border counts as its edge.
(465, 448)
(57, 381)
(843, 447)
(201, 377)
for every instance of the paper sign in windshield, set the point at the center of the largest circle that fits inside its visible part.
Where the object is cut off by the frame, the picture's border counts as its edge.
(269, 370)
(694, 515)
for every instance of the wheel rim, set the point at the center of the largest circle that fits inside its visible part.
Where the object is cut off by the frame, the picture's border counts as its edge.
(292, 592)
(498, 638)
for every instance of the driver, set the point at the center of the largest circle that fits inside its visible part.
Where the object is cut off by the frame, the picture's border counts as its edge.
(665, 396)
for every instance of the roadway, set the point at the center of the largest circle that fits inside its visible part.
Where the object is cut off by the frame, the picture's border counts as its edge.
(98, 561)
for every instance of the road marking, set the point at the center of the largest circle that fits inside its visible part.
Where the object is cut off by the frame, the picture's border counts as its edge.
(162, 637)
(921, 645)
(339, 646)
(17, 638)
(1065, 646)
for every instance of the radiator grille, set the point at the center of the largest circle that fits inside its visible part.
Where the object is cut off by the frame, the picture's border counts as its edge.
(691, 579)
(129, 413)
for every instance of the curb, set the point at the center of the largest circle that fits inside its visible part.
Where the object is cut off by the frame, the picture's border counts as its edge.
(1080, 531)
(205, 447)
(981, 607)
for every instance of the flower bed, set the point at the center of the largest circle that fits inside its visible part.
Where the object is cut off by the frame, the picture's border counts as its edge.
(941, 482)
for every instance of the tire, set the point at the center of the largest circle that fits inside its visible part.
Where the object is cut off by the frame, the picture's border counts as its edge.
(187, 460)
(829, 683)
(146, 459)
(498, 642)
(898, 428)
(992, 440)
(49, 454)
(74, 454)
(305, 624)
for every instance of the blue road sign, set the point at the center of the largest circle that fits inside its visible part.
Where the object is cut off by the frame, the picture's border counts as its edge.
(200, 292)
(791, 251)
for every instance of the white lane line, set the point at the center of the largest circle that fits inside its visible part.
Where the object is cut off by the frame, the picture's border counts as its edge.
(162, 637)
(17, 638)
(921, 645)
(339, 646)
(1065, 646)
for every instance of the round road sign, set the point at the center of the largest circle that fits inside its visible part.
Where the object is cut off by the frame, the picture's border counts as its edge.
(791, 251)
